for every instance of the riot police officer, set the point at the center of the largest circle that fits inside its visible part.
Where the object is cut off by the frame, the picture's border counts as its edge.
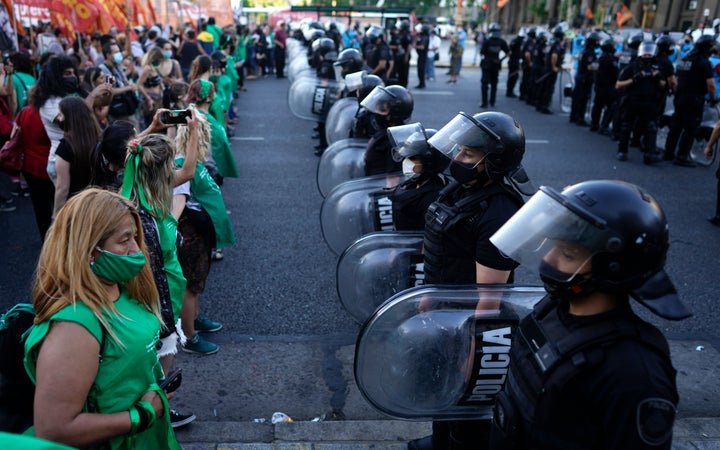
(528, 48)
(585, 370)
(399, 45)
(422, 167)
(627, 56)
(422, 46)
(605, 94)
(485, 148)
(491, 63)
(584, 80)
(695, 80)
(554, 56)
(391, 105)
(350, 61)
(378, 55)
(515, 57)
(366, 123)
(644, 84)
(324, 56)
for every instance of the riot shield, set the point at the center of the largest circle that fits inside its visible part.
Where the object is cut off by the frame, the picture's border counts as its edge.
(310, 98)
(355, 208)
(440, 352)
(341, 161)
(340, 119)
(298, 68)
(376, 267)
(294, 48)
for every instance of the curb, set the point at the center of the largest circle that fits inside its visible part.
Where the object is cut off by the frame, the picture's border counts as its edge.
(689, 433)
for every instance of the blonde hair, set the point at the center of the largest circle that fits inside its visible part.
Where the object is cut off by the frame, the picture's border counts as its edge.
(155, 175)
(204, 144)
(63, 275)
(153, 55)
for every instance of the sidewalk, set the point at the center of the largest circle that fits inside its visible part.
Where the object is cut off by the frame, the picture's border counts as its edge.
(695, 433)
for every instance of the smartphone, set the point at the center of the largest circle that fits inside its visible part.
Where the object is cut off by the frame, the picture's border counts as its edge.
(175, 116)
(172, 382)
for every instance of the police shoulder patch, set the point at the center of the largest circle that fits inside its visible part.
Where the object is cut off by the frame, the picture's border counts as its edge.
(655, 418)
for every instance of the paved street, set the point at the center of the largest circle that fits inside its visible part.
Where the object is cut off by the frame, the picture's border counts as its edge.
(287, 344)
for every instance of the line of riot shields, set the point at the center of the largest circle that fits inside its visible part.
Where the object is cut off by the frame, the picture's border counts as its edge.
(424, 352)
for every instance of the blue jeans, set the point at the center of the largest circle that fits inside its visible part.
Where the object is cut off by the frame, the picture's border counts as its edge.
(430, 68)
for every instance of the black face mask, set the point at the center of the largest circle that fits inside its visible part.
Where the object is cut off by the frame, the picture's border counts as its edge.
(575, 286)
(70, 84)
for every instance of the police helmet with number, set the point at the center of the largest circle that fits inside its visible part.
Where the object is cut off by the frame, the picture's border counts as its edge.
(411, 140)
(615, 228)
(395, 102)
(497, 135)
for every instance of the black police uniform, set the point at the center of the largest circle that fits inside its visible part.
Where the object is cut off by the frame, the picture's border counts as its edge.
(627, 56)
(324, 71)
(605, 93)
(668, 70)
(584, 81)
(379, 52)
(400, 46)
(526, 83)
(692, 73)
(411, 199)
(639, 105)
(458, 227)
(421, 47)
(547, 86)
(606, 382)
(514, 59)
(538, 70)
(378, 154)
(490, 66)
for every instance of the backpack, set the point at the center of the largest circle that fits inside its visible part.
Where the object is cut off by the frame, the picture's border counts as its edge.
(17, 391)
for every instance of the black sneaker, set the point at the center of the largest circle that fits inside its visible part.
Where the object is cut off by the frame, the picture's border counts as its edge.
(179, 419)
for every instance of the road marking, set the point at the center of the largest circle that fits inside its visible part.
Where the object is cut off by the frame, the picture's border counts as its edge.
(537, 141)
(248, 138)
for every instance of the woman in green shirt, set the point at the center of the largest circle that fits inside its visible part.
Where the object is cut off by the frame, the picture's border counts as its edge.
(92, 352)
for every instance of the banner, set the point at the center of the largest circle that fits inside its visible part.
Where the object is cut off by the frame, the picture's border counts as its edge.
(74, 15)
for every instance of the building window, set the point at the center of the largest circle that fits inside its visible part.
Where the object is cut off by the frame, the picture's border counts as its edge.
(692, 5)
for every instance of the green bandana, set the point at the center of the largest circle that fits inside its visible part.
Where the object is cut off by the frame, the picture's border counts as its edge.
(204, 89)
(131, 170)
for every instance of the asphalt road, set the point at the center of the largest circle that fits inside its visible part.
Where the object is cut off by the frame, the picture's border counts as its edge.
(287, 342)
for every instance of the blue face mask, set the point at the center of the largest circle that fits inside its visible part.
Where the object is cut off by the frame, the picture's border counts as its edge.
(117, 57)
(167, 54)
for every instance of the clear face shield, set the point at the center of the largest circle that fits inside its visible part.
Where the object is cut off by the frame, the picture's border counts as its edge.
(547, 230)
(354, 81)
(405, 137)
(463, 130)
(378, 101)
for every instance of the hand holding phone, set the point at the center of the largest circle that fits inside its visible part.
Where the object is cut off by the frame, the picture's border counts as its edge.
(172, 381)
(175, 116)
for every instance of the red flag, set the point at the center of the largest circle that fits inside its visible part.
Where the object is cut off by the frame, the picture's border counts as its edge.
(75, 14)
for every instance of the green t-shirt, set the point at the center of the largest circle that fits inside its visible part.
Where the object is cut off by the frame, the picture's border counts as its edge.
(221, 149)
(126, 371)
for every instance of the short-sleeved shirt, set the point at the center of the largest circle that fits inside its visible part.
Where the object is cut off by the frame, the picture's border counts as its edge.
(79, 174)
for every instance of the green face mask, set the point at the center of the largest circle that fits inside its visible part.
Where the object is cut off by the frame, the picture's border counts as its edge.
(117, 268)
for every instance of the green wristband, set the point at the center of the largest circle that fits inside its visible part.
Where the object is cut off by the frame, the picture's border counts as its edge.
(134, 419)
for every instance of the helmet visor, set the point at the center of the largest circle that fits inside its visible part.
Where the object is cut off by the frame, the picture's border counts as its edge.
(400, 135)
(463, 130)
(378, 101)
(549, 230)
(354, 81)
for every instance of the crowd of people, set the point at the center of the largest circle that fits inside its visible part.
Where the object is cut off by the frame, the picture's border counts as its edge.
(128, 134)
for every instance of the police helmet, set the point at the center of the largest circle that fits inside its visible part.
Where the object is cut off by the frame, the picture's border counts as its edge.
(403, 25)
(494, 27)
(375, 32)
(592, 40)
(616, 227)
(350, 59)
(704, 43)
(316, 25)
(608, 46)
(532, 32)
(313, 34)
(558, 32)
(497, 135)
(412, 141)
(395, 102)
(636, 39)
(648, 49)
(543, 37)
(324, 45)
(664, 44)
(369, 82)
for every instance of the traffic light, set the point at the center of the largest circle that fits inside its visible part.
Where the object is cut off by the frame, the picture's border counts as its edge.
(484, 6)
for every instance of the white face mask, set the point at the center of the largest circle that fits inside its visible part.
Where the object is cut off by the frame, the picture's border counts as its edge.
(117, 57)
(408, 168)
